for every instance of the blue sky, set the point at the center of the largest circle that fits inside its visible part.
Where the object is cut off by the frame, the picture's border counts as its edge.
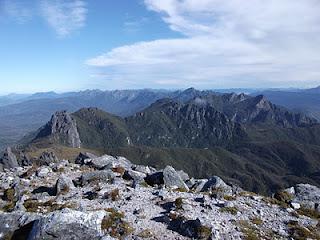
(65, 45)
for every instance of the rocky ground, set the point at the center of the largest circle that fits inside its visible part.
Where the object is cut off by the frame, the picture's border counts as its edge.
(111, 198)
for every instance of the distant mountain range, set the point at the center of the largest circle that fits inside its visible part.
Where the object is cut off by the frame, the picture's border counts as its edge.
(245, 139)
(20, 114)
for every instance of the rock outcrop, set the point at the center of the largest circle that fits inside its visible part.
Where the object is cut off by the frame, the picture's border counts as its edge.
(111, 198)
(62, 128)
(8, 159)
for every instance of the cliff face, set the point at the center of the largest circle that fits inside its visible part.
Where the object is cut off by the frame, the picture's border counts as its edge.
(62, 128)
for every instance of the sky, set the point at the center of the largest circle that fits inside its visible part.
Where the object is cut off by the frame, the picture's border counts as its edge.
(68, 45)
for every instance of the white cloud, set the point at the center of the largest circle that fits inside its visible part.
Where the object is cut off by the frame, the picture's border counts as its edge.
(64, 16)
(17, 10)
(227, 43)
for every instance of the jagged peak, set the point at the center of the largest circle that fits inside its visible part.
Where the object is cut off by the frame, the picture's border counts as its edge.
(63, 128)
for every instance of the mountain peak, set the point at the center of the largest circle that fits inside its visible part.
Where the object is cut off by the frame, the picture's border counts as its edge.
(62, 128)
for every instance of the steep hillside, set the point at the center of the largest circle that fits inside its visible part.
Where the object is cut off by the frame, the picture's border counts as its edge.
(247, 140)
(169, 123)
(306, 101)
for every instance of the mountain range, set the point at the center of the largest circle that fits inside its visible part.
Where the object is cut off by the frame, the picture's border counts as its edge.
(247, 140)
(22, 113)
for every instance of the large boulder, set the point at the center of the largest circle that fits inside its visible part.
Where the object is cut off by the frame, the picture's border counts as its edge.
(47, 157)
(108, 162)
(24, 160)
(16, 225)
(8, 159)
(83, 156)
(68, 224)
(100, 176)
(308, 196)
(190, 228)
(64, 184)
(214, 185)
(154, 179)
(172, 179)
(134, 175)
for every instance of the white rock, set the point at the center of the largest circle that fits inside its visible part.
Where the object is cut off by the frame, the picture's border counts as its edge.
(43, 171)
(295, 205)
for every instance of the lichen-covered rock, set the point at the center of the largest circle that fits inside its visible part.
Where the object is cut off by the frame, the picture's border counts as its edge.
(134, 175)
(308, 196)
(64, 184)
(215, 185)
(83, 156)
(172, 179)
(47, 157)
(68, 225)
(184, 176)
(43, 171)
(8, 159)
(143, 169)
(16, 225)
(99, 176)
(108, 162)
(24, 160)
(190, 228)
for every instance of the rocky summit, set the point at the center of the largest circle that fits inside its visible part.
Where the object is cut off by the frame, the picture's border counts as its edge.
(61, 128)
(109, 197)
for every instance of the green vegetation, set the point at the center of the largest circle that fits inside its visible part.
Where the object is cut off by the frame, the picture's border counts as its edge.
(204, 232)
(114, 224)
(249, 232)
(256, 221)
(9, 195)
(49, 206)
(100, 130)
(229, 198)
(146, 233)
(179, 203)
(298, 232)
(283, 196)
(231, 210)
(114, 195)
(267, 157)
(309, 213)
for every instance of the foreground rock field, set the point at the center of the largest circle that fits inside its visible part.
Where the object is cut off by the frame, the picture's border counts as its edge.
(111, 198)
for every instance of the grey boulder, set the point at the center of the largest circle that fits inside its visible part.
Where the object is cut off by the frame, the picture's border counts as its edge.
(108, 162)
(172, 179)
(308, 196)
(83, 156)
(68, 224)
(8, 159)
(48, 157)
(214, 184)
(100, 176)
(64, 184)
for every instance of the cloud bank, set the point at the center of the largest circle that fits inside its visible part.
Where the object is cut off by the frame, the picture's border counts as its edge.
(63, 16)
(234, 43)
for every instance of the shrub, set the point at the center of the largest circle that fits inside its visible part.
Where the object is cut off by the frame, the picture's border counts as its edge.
(249, 231)
(231, 210)
(120, 170)
(229, 198)
(114, 224)
(179, 203)
(283, 196)
(309, 213)
(256, 221)
(9, 195)
(298, 232)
